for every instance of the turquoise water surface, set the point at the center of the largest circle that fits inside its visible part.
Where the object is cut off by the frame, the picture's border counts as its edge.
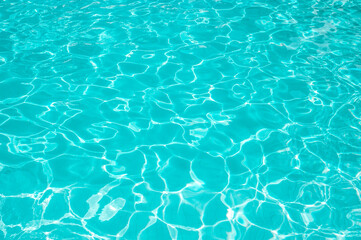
(194, 119)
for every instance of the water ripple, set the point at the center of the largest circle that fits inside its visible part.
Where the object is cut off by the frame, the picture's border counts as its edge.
(180, 119)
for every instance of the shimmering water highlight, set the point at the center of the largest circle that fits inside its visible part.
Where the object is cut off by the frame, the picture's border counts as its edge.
(207, 119)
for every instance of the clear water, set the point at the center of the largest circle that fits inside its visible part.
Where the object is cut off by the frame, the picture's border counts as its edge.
(185, 119)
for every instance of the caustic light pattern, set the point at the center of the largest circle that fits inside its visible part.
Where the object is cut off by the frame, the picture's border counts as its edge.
(207, 119)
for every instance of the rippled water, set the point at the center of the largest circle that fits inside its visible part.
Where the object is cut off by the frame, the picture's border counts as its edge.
(185, 119)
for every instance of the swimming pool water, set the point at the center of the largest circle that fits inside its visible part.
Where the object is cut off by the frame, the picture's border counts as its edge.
(206, 119)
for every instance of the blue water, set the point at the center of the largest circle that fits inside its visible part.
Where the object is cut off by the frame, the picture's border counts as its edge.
(188, 119)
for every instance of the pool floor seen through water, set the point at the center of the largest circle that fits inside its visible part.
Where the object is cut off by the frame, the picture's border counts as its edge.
(193, 119)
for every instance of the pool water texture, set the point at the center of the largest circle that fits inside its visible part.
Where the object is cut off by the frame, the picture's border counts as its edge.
(207, 119)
